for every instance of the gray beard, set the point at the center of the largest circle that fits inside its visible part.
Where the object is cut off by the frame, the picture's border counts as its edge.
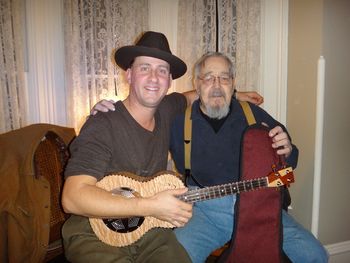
(218, 112)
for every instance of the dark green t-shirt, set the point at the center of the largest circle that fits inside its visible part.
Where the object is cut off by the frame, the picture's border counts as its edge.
(113, 142)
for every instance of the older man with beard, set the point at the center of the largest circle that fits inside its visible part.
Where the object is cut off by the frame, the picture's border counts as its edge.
(218, 123)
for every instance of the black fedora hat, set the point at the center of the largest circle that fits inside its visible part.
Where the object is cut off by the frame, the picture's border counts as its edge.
(151, 44)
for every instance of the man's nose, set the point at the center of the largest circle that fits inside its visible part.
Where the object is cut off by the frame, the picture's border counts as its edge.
(153, 75)
(216, 82)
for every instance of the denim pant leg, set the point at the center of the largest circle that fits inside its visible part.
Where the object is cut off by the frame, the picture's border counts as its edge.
(210, 227)
(299, 244)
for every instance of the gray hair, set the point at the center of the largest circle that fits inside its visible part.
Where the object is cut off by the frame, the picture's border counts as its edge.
(200, 63)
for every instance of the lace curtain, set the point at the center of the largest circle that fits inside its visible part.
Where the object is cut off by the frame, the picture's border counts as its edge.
(248, 45)
(227, 24)
(12, 86)
(93, 29)
(196, 35)
(238, 36)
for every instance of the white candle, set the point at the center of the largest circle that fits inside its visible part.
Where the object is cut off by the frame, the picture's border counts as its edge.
(318, 144)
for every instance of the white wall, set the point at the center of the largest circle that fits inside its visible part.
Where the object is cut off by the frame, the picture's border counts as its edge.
(335, 194)
(321, 27)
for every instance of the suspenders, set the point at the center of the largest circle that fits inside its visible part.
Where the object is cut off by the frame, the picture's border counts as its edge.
(187, 139)
(188, 133)
(248, 112)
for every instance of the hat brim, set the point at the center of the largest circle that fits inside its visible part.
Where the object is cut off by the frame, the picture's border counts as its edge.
(125, 55)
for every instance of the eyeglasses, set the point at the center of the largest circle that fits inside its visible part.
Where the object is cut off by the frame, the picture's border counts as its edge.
(210, 79)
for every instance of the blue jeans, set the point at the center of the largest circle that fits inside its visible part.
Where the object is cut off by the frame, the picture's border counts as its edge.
(212, 225)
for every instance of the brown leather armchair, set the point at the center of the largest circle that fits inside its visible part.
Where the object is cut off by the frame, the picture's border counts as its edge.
(31, 164)
(49, 160)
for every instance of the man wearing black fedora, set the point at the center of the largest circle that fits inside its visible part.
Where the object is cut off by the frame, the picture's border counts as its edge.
(133, 138)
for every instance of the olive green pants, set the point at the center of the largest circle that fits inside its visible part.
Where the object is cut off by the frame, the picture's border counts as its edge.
(157, 245)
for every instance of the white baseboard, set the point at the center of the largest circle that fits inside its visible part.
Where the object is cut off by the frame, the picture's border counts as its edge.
(338, 248)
